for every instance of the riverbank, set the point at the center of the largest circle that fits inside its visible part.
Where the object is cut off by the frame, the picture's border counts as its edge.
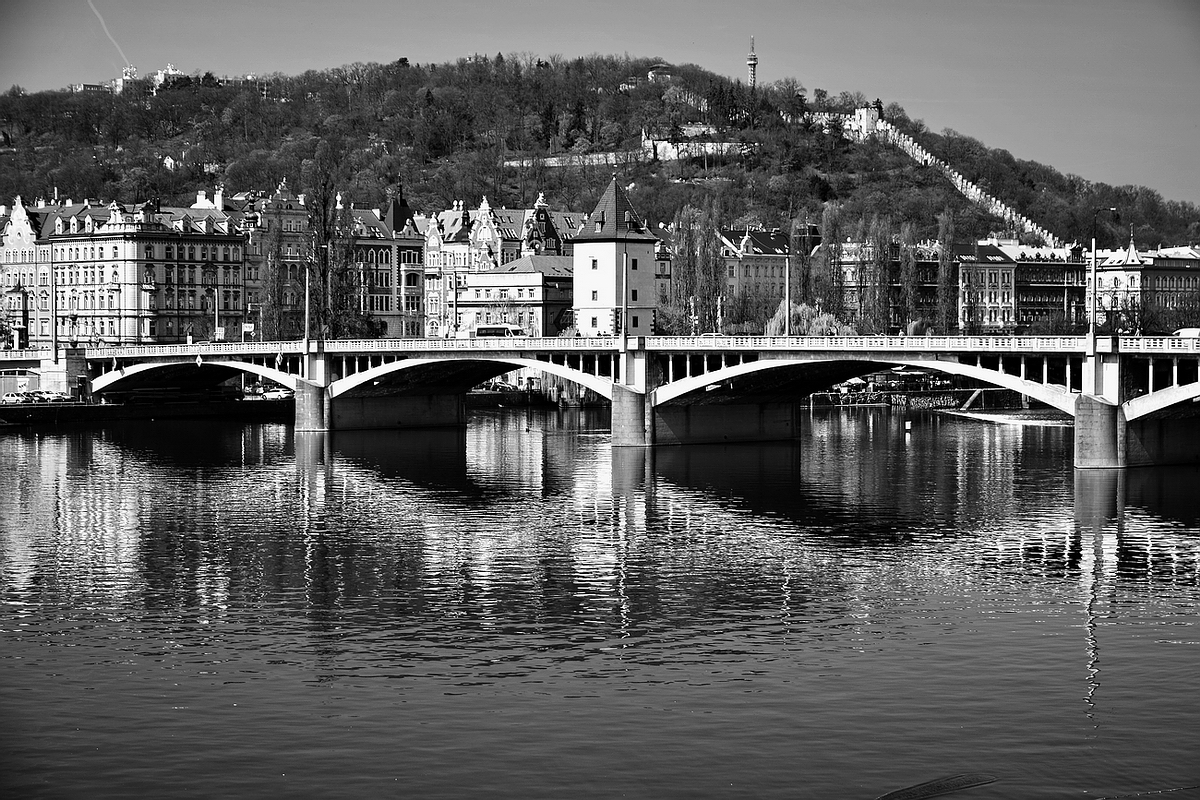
(55, 414)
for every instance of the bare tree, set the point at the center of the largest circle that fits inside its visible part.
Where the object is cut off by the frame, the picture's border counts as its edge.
(908, 273)
(946, 290)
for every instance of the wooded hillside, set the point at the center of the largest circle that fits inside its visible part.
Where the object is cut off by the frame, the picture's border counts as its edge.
(444, 131)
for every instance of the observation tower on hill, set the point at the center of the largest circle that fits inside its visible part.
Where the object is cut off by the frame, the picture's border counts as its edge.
(752, 64)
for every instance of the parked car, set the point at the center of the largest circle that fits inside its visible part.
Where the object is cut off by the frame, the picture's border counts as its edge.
(278, 393)
(14, 398)
(51, 396)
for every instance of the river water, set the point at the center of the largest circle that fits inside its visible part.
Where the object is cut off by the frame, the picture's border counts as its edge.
(517, 610)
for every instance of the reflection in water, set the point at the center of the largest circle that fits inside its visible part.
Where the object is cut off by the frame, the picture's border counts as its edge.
(867, 602)
(1099, 501)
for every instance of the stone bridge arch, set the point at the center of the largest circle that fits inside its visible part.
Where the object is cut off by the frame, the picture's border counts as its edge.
(1058, 397)
(113, 378)
(1160, 399)
(598, 384)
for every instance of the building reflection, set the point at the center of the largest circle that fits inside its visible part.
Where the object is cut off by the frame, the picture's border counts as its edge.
(534, 516)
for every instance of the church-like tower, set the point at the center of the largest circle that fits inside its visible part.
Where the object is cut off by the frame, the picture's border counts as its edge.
(614, 269)
(752, 64)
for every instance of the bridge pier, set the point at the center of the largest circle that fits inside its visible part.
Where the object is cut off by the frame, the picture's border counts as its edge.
(1099, 433)
(312, 406)
(632, 418)
(637, 422)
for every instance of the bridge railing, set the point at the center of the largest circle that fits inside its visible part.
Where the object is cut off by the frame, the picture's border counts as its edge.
(910, 344)
(23, 355)
(343, 346)
(488, 343)
(1160, 344)
(956, 344)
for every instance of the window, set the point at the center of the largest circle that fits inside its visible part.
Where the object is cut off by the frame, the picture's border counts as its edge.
(635, 265)
(593, 322)
(634, 297)
(595, 295)
(595, 264)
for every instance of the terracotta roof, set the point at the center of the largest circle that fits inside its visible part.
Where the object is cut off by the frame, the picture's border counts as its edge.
(613, 219)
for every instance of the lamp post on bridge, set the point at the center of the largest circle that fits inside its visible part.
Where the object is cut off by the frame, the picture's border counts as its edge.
(1092, 280)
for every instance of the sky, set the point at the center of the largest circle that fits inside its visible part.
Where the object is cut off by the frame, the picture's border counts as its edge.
(1105, 89)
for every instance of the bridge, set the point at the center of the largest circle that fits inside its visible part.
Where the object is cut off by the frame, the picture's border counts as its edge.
(1132, 397)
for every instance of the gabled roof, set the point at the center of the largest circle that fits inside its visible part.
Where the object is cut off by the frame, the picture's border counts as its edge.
(613, 219)
(1124, 258)
(398, 216)
(368, 224)
(756, 241)
(980, 254)
(1182, 251)
(554, 266)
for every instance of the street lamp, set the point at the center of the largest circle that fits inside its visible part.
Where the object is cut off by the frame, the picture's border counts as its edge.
(216, 311)
(1092, 315)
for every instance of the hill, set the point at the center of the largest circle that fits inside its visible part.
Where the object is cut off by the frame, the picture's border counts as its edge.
(446, 131)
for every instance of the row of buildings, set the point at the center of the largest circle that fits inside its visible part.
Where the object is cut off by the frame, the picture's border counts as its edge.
(107, 273)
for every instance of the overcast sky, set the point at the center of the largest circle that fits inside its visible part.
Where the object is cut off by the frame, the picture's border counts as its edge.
(1105, 89)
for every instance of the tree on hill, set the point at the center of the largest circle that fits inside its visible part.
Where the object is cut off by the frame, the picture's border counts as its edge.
(447, 130)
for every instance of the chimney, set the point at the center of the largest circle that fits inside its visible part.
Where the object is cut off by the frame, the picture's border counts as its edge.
(201, 197)
(219, 197)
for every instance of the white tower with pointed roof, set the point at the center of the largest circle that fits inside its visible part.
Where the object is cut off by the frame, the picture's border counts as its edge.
(614, 269)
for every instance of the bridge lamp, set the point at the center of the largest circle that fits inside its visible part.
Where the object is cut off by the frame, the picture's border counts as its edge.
(1092, 315)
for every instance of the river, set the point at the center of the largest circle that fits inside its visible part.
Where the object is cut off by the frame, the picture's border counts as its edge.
(208, 609)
